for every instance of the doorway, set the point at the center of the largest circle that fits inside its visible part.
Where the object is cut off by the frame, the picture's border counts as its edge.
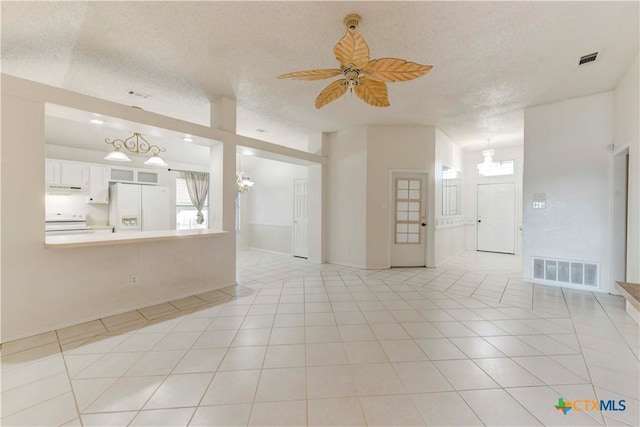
(620, 218)
(409, 219)
(496, 221)
(300, 220)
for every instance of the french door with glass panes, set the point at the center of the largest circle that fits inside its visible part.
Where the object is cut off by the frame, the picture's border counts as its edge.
(409, 220)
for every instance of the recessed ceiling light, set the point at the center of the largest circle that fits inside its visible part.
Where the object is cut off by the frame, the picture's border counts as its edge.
(261, 130)
(97, 121)
(187, 138)
(247, 153)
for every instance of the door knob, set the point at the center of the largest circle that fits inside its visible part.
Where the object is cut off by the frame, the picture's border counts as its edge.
(424, 224)
(479, 220)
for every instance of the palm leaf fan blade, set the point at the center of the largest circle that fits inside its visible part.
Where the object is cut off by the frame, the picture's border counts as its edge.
(324, 73)
(352, 50)
(330, 93)
(394, 70)
(372, 92)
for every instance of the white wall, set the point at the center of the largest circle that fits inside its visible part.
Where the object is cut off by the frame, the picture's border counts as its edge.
(45, 289)
(271, 203)
(449, 235)
(347, 197)
(242, 235)
(395, 148)
(626, 115)
(317, 200)
(361, 161)
(471, 180)
(565, 147)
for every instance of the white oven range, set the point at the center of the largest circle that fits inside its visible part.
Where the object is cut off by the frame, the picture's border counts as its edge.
(64, 223)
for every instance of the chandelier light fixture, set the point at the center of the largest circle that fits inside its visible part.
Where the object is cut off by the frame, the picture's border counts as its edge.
(135, 144)
(488, 165)
(243, 183)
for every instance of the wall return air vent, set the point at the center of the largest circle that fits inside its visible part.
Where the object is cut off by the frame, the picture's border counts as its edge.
(586, 59)
(559, 272)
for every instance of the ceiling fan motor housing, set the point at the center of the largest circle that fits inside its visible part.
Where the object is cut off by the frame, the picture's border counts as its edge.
(352, 20)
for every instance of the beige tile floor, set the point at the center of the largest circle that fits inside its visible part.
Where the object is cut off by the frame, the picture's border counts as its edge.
(296, 343)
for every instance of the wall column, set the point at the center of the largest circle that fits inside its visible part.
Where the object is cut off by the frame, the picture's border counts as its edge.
(317, 201)
(222, 168)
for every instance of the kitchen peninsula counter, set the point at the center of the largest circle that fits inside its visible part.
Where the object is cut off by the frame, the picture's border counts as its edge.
(87, 240)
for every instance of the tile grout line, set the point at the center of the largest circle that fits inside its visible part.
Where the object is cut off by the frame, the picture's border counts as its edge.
(123, 375)
(66, 369)
(380, 287)
(593, 387)
(170, 373)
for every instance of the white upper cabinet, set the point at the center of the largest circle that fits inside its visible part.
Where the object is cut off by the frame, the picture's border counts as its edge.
(62, 175)
(66, 174)
(146, 177)
(134, 176)
(51, 172)
(122, 175)
(98, 184)
(74, 174)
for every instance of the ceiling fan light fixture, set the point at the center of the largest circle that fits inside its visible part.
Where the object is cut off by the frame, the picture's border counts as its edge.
(362, 75)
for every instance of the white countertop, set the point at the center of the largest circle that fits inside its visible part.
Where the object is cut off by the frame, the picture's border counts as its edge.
(84, 240)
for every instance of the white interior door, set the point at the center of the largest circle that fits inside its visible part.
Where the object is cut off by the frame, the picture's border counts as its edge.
(300, 222)
(497, 218)
(409, 220)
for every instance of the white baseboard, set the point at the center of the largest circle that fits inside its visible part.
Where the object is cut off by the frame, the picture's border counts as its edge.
(268, 251)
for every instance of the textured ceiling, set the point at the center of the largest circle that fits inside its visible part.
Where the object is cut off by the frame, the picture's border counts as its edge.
(491, 59)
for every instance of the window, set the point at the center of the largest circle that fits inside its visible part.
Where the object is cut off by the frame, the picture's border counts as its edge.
(185, 211)
(450, 191)
(503, 168)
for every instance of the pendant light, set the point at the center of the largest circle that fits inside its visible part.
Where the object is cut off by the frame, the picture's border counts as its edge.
(135, 144)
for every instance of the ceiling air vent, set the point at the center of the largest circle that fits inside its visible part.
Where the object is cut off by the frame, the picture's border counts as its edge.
(138, 94)
(587, 58)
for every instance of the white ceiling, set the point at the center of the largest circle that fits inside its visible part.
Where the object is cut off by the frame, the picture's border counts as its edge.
(491, 59)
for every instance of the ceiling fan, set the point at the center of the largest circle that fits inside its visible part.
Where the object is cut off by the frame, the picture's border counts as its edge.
(362, 75)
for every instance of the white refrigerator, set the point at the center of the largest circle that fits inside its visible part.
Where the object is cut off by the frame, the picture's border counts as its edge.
(134, 207)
